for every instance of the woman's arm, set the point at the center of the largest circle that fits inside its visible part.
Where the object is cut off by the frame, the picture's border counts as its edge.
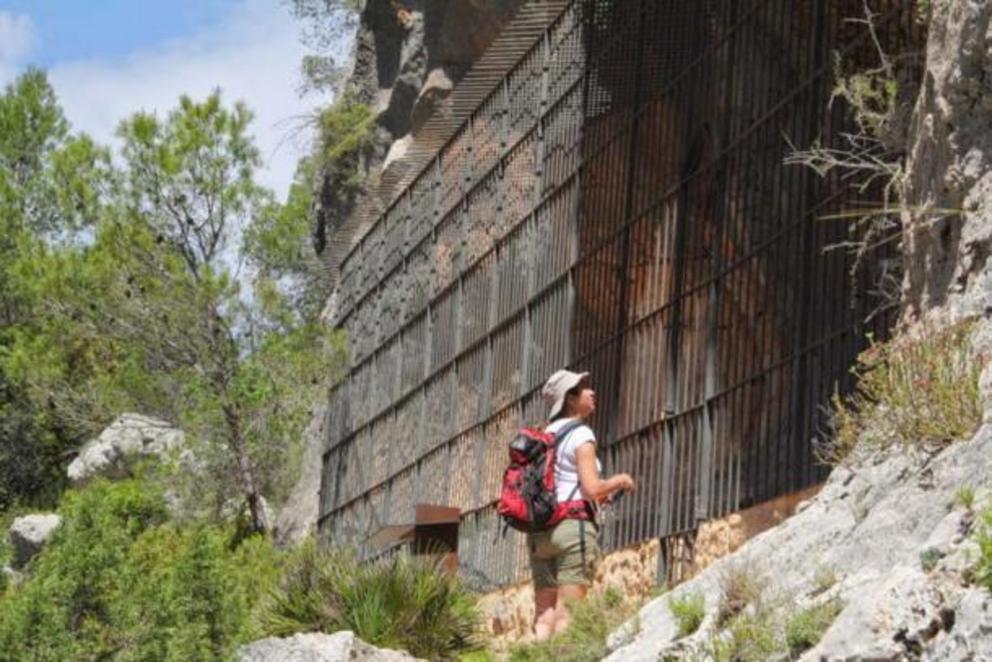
(593, 487)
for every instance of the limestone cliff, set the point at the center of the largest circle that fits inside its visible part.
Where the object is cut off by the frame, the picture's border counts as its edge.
(948, 222)
(408, 56)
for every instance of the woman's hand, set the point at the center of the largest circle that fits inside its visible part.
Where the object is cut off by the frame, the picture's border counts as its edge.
(623, 483)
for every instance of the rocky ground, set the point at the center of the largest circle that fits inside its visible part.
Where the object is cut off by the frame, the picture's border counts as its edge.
(888, 540)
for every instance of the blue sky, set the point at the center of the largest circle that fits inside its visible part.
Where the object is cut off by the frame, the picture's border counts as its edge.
(106, 29)
(109, 58)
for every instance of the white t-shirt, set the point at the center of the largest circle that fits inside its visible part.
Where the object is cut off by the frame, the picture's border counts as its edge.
(566, 466)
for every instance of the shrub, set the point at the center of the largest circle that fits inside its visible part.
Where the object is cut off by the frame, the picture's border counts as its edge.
(395, 603)
(922, 392)
(753, 638)
(805, 628)
(929, 558)
(742, 585)
(824, 579)
(345, 135)
(749, 637)
(964, 497)
(585, 640)
(118, 581)
(688, 611)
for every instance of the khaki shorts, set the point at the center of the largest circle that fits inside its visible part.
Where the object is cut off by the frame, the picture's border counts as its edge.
(564, 555)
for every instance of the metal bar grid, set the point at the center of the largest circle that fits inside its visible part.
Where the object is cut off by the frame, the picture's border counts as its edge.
(627, 212)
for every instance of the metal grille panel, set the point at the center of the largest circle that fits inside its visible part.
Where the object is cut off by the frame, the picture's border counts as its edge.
(617, 204)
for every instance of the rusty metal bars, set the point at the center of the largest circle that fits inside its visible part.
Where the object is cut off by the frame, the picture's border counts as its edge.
(620, 206)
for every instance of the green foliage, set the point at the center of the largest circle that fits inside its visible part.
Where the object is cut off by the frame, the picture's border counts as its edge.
(592, 620)
(345, 135)
(804, 629)
(50, 188)
(688, 611)
(118, 581)
(873, 96)
(191, 177)
(929, 558)
(291, 281)
(964, 497)
(753, 638)
(63, 610)
(147, 314)
(914, 393)
(394, 603)
(983, 566)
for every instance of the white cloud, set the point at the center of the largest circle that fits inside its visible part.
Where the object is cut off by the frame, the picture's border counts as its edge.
(17, 39)
(254, 56)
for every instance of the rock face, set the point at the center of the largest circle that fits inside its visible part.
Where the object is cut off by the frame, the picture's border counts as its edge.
(298, 516)
(28, 535)
(897, 545)
(407, 58)
(317, 647)
(971, 637)
(130, 437)
(949, 167)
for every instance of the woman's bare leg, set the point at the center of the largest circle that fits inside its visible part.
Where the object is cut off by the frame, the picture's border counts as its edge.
(565, 594)
(544, 612)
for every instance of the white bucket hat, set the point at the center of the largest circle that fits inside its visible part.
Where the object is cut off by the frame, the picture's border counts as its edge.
(558, 386)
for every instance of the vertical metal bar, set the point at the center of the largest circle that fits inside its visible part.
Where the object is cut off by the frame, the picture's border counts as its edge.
(613, 424)
(704, 507)
(807, 250)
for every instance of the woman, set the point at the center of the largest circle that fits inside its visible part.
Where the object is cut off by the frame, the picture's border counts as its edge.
(563, 557)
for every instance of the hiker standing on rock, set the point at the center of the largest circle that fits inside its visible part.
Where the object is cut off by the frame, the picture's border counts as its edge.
(563, 557)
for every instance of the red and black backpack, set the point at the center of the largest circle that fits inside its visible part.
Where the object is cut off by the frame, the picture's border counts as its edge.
(528, 501)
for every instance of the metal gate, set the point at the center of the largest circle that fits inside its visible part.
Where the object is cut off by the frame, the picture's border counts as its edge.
(617, 204)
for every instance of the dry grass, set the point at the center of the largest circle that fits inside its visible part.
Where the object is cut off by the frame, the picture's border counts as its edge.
(919, 394)
(742, 585)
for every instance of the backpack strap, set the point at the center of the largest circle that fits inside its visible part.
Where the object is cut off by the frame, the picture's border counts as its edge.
(566, 430)
(560, 436)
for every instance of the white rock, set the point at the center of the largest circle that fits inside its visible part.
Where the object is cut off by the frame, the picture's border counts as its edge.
(893, 607)
(297, 518)
(318, 647)
(397, 152)
(130, 437)
(971, 636)
(28, 535)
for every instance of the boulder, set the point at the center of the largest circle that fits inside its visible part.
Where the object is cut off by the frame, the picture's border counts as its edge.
(28, 535)
(318, 647)
(129, 438)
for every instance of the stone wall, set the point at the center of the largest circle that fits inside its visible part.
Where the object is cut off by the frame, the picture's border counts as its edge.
(509, 612)
(726, 535)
